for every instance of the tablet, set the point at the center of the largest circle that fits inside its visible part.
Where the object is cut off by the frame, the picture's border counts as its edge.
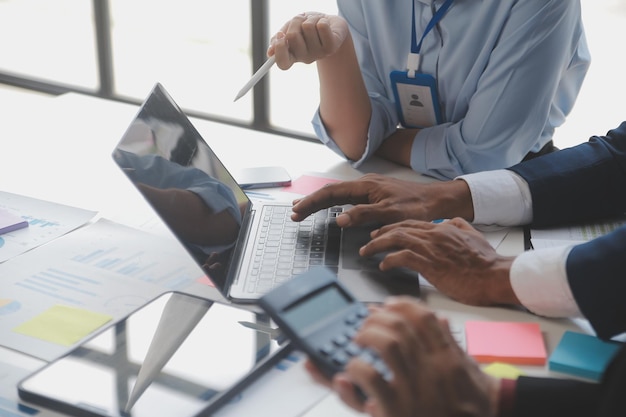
(178, 355)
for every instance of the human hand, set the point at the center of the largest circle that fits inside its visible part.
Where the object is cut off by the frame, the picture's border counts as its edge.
(453, 256)
(384, 200)
(306, 38)
(432, 376)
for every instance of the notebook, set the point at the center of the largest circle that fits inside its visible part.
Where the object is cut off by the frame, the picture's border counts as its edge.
(245, 248)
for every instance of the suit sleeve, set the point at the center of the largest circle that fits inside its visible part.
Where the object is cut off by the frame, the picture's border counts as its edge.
(585, 182)
(548, 397)
(596, 272)
(538, 397)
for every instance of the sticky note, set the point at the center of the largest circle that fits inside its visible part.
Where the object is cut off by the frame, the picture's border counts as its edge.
(205, 281)
(503, 370)
(306, 184)
(10, 222)
(582, 355)
(507, 342)
(63, 325)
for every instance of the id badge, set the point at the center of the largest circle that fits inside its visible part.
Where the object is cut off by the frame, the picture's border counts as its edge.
(417, 101)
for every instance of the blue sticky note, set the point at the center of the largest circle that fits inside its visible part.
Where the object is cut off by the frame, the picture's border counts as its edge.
(582, 355)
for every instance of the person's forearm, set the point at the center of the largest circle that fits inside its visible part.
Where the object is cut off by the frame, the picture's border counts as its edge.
(345, 106)
(190, 218)
(397, 147)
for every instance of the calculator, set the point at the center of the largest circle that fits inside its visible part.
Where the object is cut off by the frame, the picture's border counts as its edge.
(320, 317)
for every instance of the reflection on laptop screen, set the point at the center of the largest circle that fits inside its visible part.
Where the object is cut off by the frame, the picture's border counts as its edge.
(180, 176)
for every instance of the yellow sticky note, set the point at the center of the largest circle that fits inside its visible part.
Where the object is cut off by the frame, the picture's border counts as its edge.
(63, 325)
(502, 370)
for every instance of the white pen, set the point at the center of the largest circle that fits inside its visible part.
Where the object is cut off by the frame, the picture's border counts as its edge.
(260, 73)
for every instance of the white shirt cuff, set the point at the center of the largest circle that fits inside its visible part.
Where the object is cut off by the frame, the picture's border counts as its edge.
(539, 280)
(499, 197)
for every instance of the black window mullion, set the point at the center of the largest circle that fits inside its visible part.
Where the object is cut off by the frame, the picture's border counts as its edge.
(102, 26)
(260, 33)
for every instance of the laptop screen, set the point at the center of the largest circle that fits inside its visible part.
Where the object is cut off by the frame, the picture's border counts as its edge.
(183, 180)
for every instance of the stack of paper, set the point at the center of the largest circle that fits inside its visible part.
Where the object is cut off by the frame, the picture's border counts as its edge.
(506, 342)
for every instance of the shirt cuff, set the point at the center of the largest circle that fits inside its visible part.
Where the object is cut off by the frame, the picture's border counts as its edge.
(539, 280)
(499, 197)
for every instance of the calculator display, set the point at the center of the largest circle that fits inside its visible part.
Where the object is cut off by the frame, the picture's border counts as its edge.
(321, 317)
(316, 307)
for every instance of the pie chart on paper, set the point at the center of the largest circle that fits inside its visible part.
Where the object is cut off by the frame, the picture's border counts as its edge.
(8, 306)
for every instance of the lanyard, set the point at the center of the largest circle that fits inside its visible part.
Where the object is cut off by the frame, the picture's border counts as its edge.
(413, 60)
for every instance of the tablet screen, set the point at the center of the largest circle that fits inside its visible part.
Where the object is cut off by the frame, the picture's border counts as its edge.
(175, 356)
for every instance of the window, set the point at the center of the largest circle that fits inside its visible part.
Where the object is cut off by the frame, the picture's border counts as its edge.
(52, 41)
(202, 52)
(294, 94)
(199, 50)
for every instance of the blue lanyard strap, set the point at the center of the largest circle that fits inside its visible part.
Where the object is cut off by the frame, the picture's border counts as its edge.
(439, 14)
(413, 60)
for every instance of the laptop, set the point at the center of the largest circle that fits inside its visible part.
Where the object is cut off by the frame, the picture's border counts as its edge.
(245, 248)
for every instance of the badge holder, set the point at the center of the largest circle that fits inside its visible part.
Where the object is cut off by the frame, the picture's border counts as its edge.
(416, 99)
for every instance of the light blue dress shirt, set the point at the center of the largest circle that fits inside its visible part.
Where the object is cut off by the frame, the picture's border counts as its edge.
(508, 72)
(156, 171)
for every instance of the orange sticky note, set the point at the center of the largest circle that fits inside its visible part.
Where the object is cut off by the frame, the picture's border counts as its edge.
(507, 342)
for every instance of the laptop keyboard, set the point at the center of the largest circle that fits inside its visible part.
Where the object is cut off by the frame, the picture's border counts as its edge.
(286, 248)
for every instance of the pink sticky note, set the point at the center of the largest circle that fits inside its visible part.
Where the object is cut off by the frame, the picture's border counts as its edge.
(205, 281)
(306, 184)
(508, 342)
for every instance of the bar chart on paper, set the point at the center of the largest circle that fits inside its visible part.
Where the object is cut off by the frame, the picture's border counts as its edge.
(137, 265)
(105, 268)
(46, 222)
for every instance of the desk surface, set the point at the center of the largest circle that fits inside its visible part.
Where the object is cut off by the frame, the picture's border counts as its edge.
(58, 149)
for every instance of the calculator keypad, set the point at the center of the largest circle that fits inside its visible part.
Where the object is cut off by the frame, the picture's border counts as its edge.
(340, 349)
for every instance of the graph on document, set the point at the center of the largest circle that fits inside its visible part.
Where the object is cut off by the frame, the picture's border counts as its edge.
(100, 262)
(138, 265)
(594, 230)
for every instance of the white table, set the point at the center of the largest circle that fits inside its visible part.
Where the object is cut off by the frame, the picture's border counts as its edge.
(58, 149)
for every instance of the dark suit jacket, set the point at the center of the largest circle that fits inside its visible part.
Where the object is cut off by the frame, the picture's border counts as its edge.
(587, 182)
(582, 183)
(548, 397)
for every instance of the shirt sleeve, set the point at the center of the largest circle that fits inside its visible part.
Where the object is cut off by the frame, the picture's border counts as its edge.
(539, 278)
(375, 70)
(499, 197)
(531, 81)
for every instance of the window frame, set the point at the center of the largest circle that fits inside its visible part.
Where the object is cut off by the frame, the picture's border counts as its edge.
(106, 76)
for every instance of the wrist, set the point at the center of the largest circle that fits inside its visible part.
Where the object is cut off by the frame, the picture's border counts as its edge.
(452, 199)
(505, 397)
(500, 290)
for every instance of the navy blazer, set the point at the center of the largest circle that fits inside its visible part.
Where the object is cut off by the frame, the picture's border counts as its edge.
(582, 183)
(548, 397)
